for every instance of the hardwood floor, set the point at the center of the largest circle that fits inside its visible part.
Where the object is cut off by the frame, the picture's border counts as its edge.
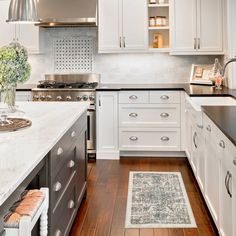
(103, 212)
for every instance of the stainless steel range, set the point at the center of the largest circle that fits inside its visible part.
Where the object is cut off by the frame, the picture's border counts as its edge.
(72, 87)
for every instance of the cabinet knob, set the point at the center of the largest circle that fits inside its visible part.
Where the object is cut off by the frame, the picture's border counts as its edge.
(165, 97)
(133, 97)
(165, 138)
(58, 233)
(164, 115)
(222, 144)
(71, 164)
(133, 114)
(200, 126)
(234, 161)
(73, 134)
(71, 204)
(133, 138)
(57, 187)
(208, 128)
(59, 151)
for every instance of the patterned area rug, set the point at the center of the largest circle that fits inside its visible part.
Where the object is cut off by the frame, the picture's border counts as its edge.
(158, 200)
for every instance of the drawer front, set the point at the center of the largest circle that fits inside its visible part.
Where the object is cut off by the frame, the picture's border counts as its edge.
(61, 181)
(134, 97)
(150, 139)
(60, 152)
(63, 216)
(164, 96)
(149, 115)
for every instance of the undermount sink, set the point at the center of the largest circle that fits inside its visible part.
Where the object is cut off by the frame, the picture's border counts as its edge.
(197, 102)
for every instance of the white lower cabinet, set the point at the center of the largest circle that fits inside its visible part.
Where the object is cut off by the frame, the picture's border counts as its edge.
(23, 96)
(149, 121)
(107, 125)
(150, 139)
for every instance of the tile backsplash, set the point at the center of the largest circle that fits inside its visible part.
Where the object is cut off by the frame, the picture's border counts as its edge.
(115, 68)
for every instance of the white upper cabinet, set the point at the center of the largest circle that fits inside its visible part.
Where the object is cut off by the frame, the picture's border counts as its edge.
(197, 27)
(210, 25)
(7, 31)
(27, 34)
(183, 25)
(122, 26)
(110, 28)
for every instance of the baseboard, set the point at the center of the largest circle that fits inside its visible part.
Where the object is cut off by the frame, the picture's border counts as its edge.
(152, 154)
(115, 155)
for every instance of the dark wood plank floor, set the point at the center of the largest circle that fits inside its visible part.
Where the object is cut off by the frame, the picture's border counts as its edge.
(103, 212)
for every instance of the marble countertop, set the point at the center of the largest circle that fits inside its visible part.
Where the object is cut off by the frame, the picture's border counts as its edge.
(21, 151)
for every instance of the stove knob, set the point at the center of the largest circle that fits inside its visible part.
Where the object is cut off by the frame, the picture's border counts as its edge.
(91, 97)
(58, 98)
(79, 98)
(85, 97)
(35, 97)
(42, 98)
(68, 98)
(48, 97)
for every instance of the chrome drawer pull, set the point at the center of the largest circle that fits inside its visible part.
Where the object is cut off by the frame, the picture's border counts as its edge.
(200, 126)
(73, 134)
(222, 144)
(165, 138)
(57, 187)
(234, 161)
(58, 233)
(59, 151)
(164, 97)
(133, 97)
(164, 115)
(133, 114)
(133, 138)
(71, 204)
(71, 164)
(208, 128)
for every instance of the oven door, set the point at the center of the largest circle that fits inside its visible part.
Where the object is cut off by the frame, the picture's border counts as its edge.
(91, 126)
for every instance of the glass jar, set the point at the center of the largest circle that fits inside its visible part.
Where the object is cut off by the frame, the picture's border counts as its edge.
(152, 21)
(158, 21)
(152, 1)
(164, 22)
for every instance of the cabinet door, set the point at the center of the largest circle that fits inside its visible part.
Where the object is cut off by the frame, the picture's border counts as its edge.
(29, 37)
(7, 31)
(226, 202)
(135, 25)
(195, 147)
(210, 25)
(183, 26)
(110, 25)
(107, 125)
(212, 173)
(23, 96)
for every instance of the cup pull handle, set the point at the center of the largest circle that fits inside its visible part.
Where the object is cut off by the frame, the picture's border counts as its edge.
(133, 138)
(165, 138)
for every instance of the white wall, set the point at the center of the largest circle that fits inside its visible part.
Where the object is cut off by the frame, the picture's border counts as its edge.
(117, 68)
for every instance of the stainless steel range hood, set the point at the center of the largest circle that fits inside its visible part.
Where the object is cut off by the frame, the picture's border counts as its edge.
(60, 13)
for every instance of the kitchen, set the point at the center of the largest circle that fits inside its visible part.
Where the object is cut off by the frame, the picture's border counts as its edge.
(124, 125)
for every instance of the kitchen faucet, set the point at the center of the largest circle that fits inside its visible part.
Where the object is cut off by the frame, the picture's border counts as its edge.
(226, 64)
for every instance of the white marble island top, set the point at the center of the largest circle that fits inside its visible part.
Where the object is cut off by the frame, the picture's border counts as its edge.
(21, 151)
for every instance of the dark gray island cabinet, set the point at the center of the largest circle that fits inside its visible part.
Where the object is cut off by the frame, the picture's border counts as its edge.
(64, 171)
(67, 177)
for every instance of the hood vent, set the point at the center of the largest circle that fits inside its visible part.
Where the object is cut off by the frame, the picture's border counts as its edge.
(61, 13)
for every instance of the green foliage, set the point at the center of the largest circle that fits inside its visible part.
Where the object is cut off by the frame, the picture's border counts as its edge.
(14, 67)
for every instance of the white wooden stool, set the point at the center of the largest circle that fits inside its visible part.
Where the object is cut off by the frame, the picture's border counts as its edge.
(26, 223)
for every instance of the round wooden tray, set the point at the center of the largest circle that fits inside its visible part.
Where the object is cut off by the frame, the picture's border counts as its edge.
(15, 124)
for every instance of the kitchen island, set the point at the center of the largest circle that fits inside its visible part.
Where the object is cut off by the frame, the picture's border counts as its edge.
(57, 137)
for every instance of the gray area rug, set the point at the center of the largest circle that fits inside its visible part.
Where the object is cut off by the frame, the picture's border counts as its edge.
(158, 200)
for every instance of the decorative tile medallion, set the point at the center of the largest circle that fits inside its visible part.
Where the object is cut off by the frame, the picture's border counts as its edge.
(158, 200)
